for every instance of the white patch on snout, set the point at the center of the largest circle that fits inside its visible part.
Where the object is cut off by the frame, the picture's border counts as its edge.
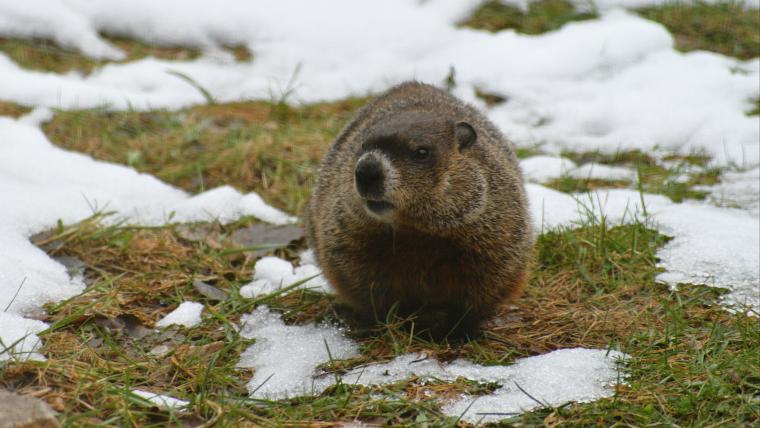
(390, 175)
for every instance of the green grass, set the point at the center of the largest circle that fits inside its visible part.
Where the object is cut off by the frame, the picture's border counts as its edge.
(675, 180)
(267, 147)
(691, 362)
(727, 27)
(756, 109)
(541, 16)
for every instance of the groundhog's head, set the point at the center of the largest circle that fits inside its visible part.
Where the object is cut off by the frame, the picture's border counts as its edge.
(420, 170)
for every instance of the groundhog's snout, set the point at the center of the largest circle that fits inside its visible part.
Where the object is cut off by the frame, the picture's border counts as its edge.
(370, 178)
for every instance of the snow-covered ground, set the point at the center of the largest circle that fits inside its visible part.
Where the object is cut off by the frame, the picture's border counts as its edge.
(613, 83)
(610, 84)
(286, 359)
(542, 169)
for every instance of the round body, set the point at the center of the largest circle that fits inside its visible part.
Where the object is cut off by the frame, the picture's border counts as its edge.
(420, 206)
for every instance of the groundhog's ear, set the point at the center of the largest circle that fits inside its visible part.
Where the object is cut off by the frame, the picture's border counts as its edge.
(465, 135)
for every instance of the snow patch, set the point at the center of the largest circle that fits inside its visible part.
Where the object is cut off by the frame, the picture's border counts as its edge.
(272, 273)
(603, 172)
(542, 169)
(558, 377)
(187, 314)
(55, 20)
(713, 246)
(41, 184)
(285, 357)
(161, 401)
(18, 338)
(737, 189)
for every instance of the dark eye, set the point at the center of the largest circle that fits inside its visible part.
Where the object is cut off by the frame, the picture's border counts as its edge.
(421, 153)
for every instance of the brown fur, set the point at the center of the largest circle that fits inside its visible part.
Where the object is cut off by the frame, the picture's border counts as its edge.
(457, 243)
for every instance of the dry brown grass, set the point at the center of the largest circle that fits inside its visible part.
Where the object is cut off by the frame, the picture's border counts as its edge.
(571, 185)
(13, 109)
(45, 55)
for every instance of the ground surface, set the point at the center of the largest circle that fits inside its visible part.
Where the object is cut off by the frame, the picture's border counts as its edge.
(691, 362)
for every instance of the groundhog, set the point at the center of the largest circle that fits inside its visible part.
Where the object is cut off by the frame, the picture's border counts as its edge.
(420, 206)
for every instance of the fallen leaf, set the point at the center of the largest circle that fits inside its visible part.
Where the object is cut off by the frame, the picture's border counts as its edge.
(210, 292)
(262, 238)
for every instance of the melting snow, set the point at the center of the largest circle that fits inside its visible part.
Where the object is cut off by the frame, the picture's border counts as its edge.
(542, 169)
(713, 246)
(187, 314)
(562, 376)
(41, 184)
(603, 172)
(737, 189)
(286, 359)
(555, 378)
(161, 401)
(18, 337)
(273, 273)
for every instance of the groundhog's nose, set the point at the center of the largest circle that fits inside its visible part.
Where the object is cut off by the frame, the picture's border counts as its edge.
(370, 179)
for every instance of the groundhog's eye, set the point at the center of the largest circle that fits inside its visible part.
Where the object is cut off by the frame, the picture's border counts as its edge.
(421, 153)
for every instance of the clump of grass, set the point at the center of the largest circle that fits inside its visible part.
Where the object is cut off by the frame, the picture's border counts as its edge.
(267, 147)
(45, 55)
(728, 27)
(756, 109)
(240, 52)
(676, 180)
(13, 109)
(491, 99)
(541, 16)
(524, 152)
(570, 184)
(136, 49)
(622, 158)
